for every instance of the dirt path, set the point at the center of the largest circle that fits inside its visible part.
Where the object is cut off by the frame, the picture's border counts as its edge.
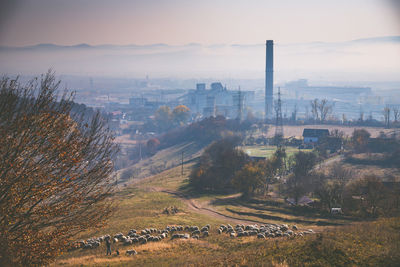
(204, 208)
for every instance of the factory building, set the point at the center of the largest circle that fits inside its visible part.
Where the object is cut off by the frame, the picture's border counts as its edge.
(218, 101)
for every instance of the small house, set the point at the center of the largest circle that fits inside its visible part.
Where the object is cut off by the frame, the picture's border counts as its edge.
(314, 135)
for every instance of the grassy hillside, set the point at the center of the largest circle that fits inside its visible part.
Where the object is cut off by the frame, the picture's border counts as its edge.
(140, 205)
(366, 244)
(161, 161)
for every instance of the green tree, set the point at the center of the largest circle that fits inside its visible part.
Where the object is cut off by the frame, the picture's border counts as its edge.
(55, 171)
(300, 181)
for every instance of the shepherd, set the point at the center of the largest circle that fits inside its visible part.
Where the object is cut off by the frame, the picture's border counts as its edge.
(108, 245)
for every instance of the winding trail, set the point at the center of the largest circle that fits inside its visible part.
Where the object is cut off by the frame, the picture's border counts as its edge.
(205, 210)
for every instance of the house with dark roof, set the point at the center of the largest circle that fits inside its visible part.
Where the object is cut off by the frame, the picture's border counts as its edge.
(314, 135)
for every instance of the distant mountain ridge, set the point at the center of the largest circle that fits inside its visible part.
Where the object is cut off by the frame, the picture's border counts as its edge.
(376, 58)
(50, 46)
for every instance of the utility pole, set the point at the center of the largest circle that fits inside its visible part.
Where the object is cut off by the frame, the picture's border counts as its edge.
(182, 164)
(140, 146)
(240, 106)
(278, 123)
(140, 149)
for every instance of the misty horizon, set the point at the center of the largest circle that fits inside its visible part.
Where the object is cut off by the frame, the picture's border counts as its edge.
(371, 59)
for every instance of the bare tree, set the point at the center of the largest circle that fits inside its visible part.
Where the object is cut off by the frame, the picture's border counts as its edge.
(314, 109)
(361, 117)
(396, 113)
(294, 113)
(386, 115)
(55, 171)
(324, 109)
(337, 133)
(307, 113)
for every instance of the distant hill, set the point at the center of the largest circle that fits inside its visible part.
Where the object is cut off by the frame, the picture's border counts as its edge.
(375, 58)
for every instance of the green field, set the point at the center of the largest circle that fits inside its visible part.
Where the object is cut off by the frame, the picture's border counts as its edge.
(267, 151)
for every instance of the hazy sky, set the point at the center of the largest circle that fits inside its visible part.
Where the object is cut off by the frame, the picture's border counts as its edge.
(28, 22)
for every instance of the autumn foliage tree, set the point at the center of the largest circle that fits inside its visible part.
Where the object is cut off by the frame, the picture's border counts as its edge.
(180, 115)
(249, 179)
(166, 119)
(152, 145)
(55, 171)
(359, 140)
(256, 177)
(162, 118)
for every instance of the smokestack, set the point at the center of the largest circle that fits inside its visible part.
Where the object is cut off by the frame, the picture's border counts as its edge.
(269, 78)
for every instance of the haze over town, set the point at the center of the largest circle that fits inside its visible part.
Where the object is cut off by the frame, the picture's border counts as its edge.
(329, 44)
(150, 132)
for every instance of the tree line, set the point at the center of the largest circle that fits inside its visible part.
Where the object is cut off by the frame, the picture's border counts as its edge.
(224, 168)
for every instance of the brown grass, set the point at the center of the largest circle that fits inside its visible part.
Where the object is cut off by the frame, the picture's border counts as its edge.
(92, 260)
(361, 170)
(154, 246)
(361, 244)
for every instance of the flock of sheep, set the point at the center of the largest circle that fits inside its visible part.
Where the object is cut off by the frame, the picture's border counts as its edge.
(194, 232)
(262, 231)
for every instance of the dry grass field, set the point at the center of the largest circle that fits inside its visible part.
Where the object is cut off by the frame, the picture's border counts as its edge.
(340, 241)
(267, 151)
(367, 164)
(163, 160)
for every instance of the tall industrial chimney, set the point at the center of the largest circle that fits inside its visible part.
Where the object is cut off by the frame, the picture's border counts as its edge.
(269, 78)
